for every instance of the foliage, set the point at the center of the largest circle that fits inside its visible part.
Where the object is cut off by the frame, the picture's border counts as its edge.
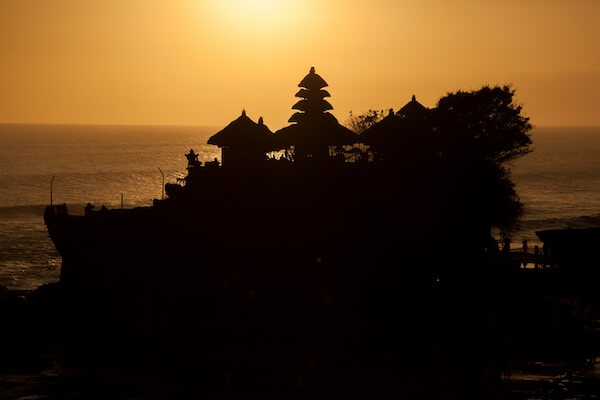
(484, 129)
(467, 139)
(498, 200)
(485, 123)
(362, 122)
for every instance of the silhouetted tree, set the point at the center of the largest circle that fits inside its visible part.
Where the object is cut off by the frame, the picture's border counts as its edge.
(361, 122)
(486, 123)
(494, 200)
(466, 139)
(482, 130)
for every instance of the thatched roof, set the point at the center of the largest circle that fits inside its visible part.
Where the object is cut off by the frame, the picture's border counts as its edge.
(312, 105)
(389, 125)
(305, 94)
(413, 109)
(319, 130)
(408, 128)
(313, 124)
(312, 80)
(297, 117)
(243, 132)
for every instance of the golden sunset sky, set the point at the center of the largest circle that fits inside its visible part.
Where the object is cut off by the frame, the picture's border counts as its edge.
(196, 62)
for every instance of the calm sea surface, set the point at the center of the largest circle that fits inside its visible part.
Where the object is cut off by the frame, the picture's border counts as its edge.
(559, 182)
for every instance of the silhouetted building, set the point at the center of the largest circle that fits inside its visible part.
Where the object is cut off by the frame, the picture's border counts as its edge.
(261, 277)
(243, 141)
(388, 126)
(401, 134)
(192, 158)
(573, 251)
(413, 109)
(314, 131)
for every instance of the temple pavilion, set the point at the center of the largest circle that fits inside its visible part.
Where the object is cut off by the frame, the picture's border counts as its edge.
(399, 133)
(316, 135)
(243, 141)
(314, 132)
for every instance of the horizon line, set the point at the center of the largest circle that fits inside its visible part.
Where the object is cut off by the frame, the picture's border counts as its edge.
(166, 125)
(107, 124)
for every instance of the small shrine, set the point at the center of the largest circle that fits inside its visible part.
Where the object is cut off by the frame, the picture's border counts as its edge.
(243, 141)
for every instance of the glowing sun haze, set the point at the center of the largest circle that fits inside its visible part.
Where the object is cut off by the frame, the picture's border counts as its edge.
(262, 10)
(202, 61)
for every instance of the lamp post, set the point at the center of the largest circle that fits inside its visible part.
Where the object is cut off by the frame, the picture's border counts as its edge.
(51, 185)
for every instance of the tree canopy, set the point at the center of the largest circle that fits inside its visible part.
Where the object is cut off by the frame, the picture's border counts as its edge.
(486, 123)
(467, 138)
(361, 122)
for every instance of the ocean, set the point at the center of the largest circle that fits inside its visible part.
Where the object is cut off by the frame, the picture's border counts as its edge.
(559, 183)
(93, 164)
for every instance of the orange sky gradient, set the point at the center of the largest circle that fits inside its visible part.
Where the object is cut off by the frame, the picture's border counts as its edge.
(199, 62)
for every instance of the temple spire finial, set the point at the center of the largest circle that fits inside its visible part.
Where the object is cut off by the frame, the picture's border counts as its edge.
(312, 70)
(414, 98)
(243, 112)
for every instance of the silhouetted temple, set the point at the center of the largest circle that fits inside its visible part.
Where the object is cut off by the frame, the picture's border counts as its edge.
(314, 131)
(413, 110)
(243, 141)
(313, 135)
(400, 133)
(294, 258)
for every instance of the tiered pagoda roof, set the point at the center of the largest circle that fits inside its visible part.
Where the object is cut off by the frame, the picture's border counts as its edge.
(313, 97)
(313, 124)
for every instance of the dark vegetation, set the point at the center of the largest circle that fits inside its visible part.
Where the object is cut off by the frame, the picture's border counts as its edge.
(467, 133)
(361, 122)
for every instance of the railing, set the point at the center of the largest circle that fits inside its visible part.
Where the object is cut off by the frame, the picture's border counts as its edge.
(539, 260)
